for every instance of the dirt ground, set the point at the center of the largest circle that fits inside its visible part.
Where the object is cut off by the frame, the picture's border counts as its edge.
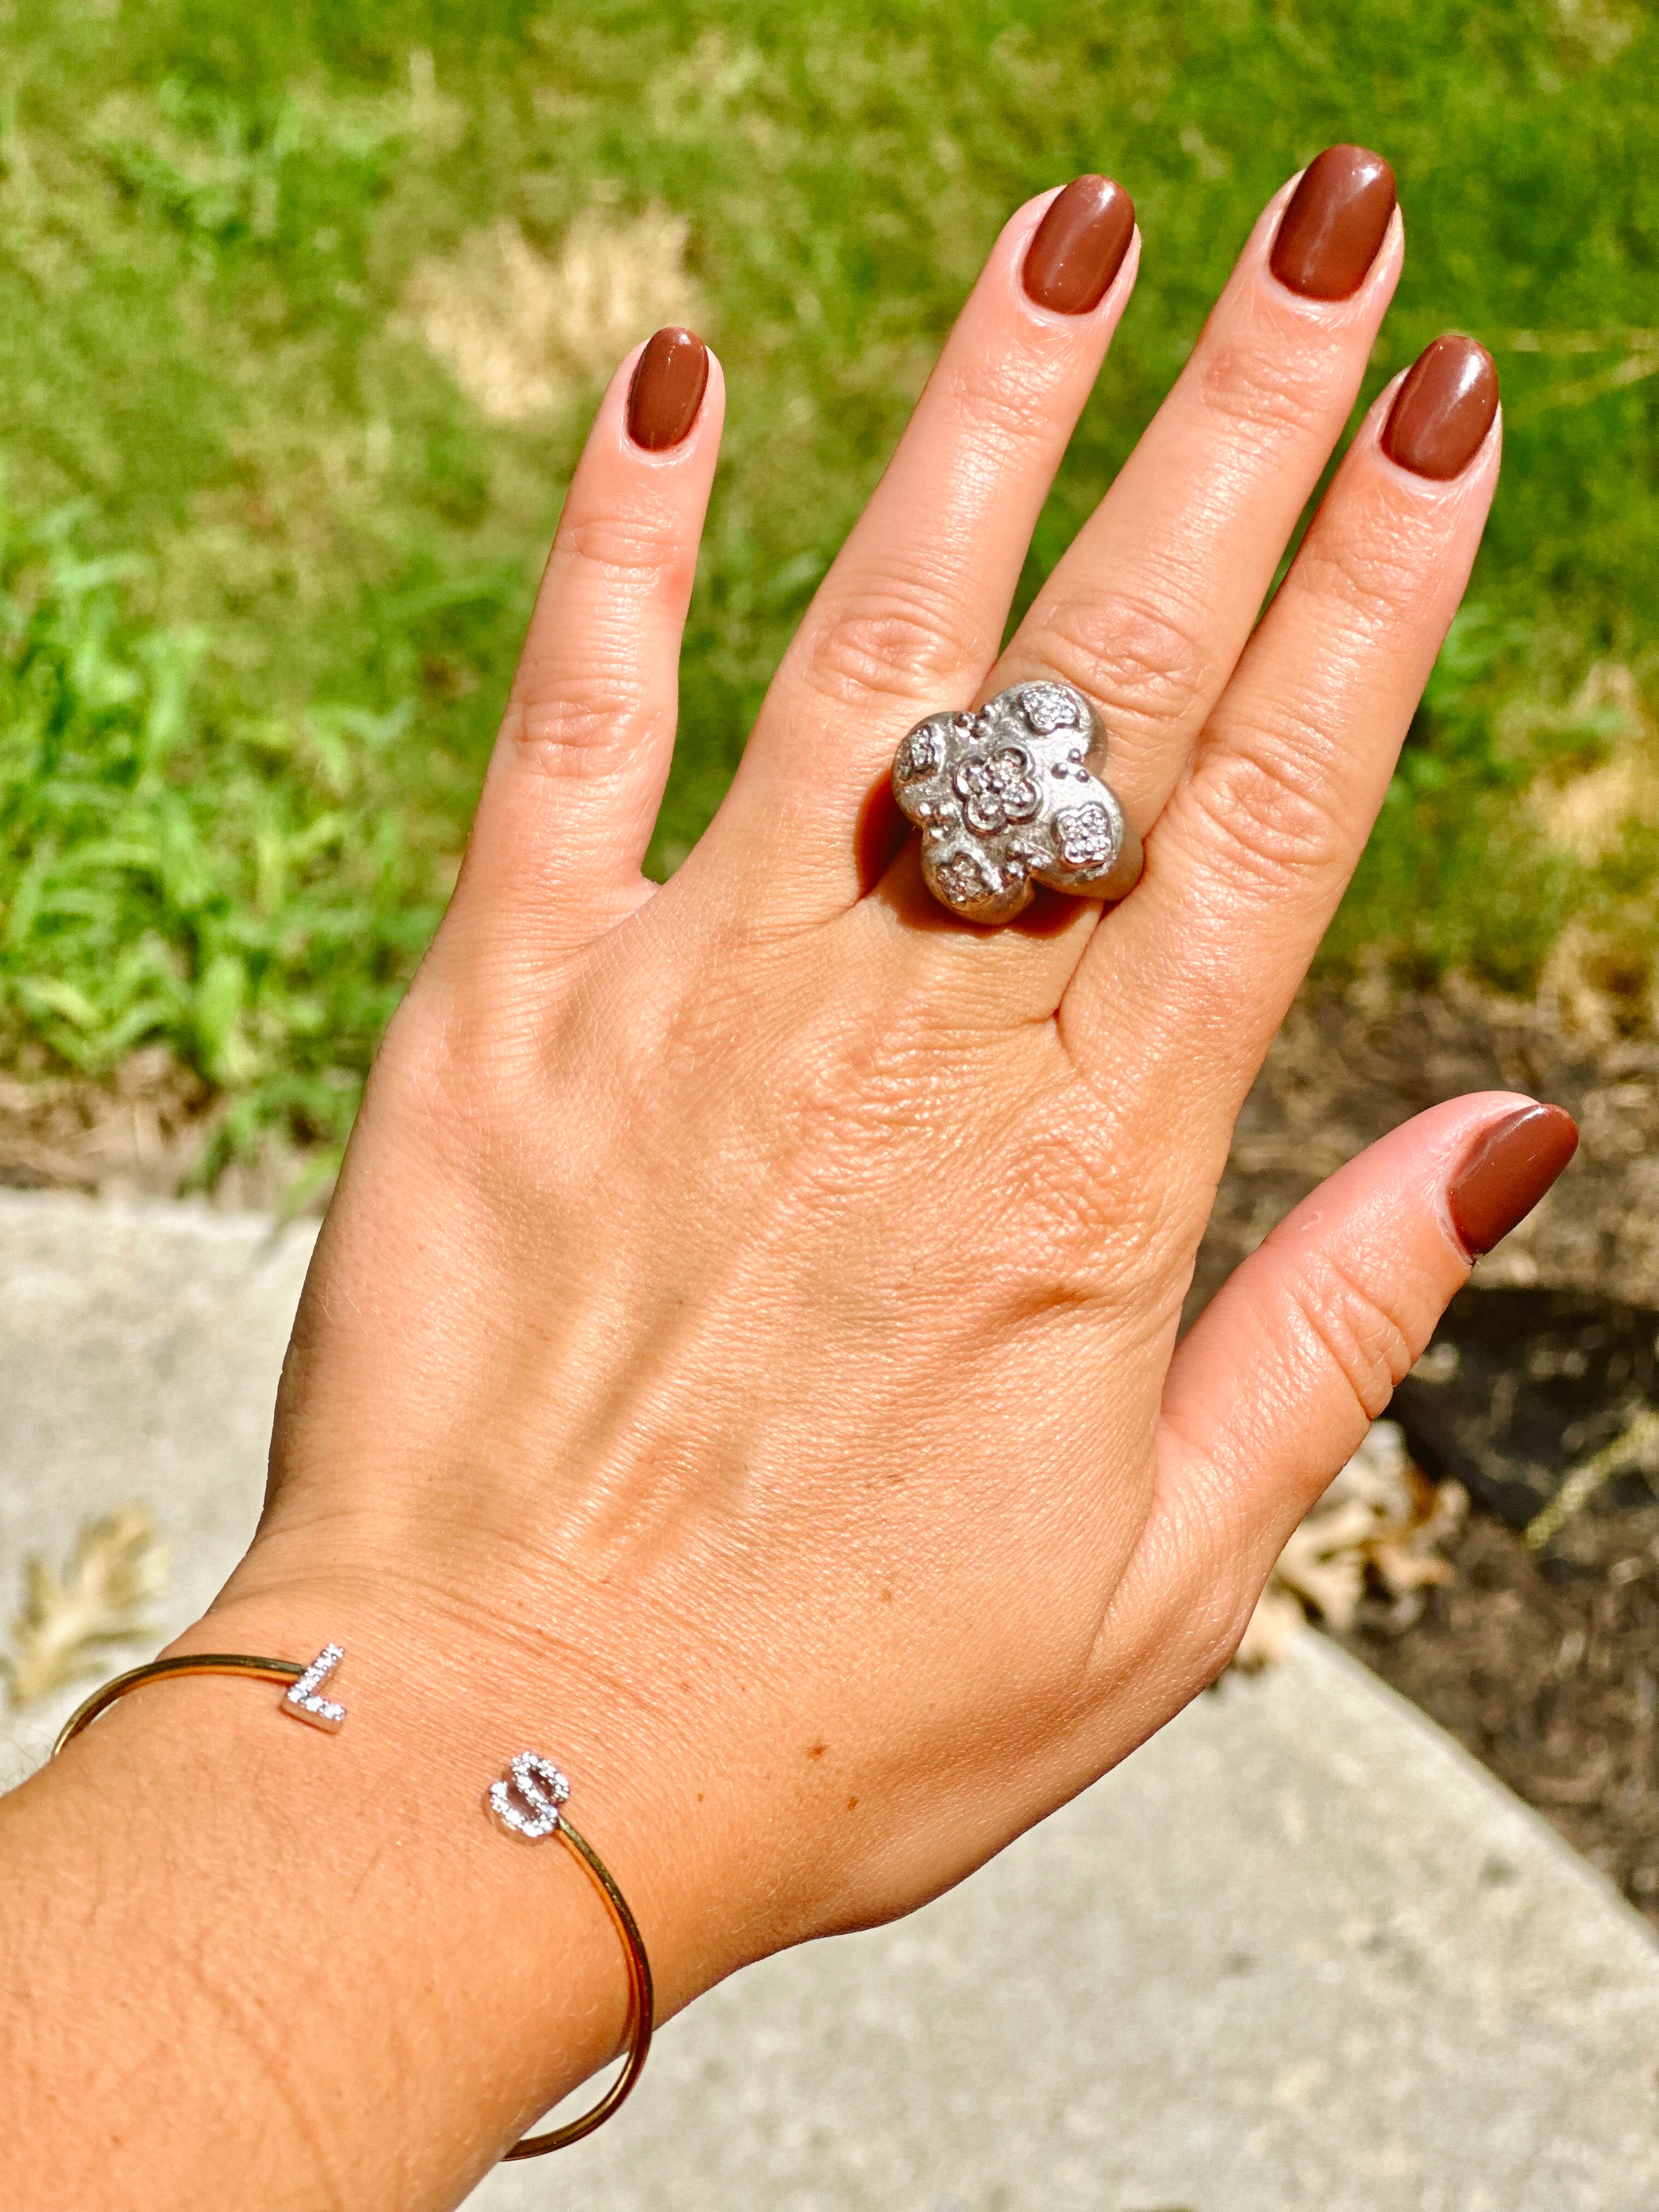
(1542, 1664)
(1347, 1068)
(1544, 1670)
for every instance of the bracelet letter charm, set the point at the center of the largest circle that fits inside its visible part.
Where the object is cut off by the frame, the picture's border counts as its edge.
(540, 1787)
(1006, 797)
(526, 1801)
(303, 1702)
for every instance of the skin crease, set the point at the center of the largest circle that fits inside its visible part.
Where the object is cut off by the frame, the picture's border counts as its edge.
(741, 1359)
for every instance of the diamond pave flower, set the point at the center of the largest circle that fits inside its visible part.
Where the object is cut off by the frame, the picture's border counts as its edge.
(964, 881)
(1051, 707)
(921, 754)
(995, 789)
(1082, 836)
(1005, 796)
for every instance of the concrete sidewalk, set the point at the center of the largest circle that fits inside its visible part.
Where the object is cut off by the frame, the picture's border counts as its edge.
(1297, 1952)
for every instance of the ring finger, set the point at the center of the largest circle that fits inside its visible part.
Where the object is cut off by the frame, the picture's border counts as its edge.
(913, 610)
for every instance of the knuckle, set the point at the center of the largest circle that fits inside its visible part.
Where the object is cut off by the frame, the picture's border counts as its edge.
(1367, 573)
(1087, 1209)
(1344, 1323)
(1136, 662)
(620, 545)
(1269, 381)
(1266, 809)
(585, 726)
(444, 1068)
(1083, 1198)
(1002, 401)
(886, 641)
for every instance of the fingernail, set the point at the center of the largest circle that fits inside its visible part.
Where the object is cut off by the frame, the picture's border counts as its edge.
(1506, 1171)
(1443, 409)
(1080, 246)
(1338, 218)
(669, 381)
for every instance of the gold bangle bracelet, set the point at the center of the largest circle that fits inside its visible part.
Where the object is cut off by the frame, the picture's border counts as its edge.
(540, 1786)
(305, 1702)
(641, 2006)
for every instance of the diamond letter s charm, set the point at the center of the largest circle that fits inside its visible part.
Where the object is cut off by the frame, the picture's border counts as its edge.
(541, 1788)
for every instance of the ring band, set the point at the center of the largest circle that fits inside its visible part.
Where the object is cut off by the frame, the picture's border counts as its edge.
(1005, 797)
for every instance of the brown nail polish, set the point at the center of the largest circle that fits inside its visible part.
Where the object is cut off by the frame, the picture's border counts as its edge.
(1080, 246)
(1506, 1171)
(1334, 226)
(1443, 409)
(669, 381)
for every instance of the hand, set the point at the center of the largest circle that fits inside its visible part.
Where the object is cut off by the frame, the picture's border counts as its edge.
(741, 1355)
(762, 1292)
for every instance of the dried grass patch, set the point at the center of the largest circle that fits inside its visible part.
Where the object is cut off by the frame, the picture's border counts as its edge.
(146, 1130)
(1588, 814)
(68, 1621)
(522, 334)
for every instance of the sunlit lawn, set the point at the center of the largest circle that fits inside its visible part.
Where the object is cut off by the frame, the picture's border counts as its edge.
(302, 310)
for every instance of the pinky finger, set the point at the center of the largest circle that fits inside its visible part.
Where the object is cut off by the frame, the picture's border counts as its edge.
(577, 773)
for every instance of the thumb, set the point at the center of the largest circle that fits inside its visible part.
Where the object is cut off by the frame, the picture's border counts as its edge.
(1273, 1389)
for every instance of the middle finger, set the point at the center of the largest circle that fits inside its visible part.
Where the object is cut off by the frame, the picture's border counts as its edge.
(1150, 607)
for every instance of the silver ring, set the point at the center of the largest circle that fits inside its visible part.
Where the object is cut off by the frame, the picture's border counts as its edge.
(1005, 798)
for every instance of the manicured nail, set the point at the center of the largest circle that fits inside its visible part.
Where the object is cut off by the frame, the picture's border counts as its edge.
(1506, 1171)
(1338, 218)
(670, 379)
(1080, 246)
(1443, 409)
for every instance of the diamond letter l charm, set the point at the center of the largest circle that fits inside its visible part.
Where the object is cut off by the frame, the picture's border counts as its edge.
(302, 1700)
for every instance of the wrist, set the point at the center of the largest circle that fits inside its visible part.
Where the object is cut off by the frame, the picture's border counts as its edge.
(420, 1986)
(452, 1690)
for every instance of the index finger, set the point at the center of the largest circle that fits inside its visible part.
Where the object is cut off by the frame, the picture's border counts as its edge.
(1245, 866)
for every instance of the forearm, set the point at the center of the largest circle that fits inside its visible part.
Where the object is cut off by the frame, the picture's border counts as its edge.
(235, 1946)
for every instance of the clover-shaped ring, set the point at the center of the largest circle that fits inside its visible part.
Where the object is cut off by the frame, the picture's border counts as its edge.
(1005, 798)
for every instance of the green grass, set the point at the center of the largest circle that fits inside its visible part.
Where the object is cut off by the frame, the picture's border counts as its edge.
(264, 565)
